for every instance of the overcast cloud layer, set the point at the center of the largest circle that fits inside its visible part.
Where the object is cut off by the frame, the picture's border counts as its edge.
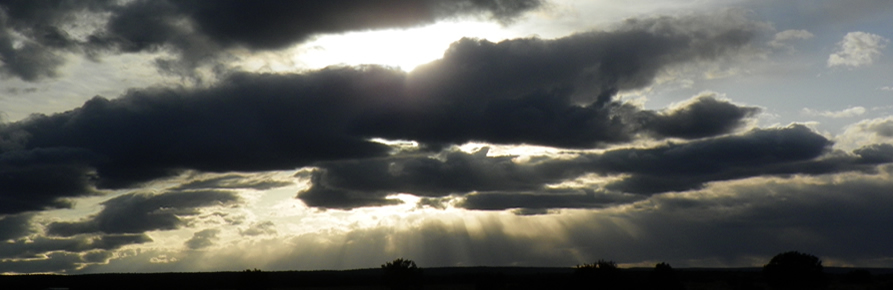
(34, 38)
(262, 122)
(527, 151)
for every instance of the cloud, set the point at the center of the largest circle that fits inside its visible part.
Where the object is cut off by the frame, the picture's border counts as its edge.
(681, 167)
(533, 91)
(499, 182)
(701, 116)
(36, 178)
(847, 113)
(39, 246)
(725, 224)
(54, 254)
(142, 212)
(260, 228)
(541, 201)
(58, 262)
(15, 226)
(780, 40)
(871, 131)
(202, 239)
(232, 181)
(883, 128)
(34, 35)
(858, 49)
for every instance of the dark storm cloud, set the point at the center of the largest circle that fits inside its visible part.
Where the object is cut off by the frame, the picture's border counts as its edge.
(31, 61)
(200, 30)
(35, 179)
(546, 199)
(833, 216)
(554, 92)
(677, 167)
(46, 254)
(53, 262)
(494, 183)
(232, 181)
(703, 116)
(516, 91)
(275, 24)
(40, 22)
(322, 196)
(15, 226)
(141, 212)
(735, 224)
(38, 246)
(875, 153)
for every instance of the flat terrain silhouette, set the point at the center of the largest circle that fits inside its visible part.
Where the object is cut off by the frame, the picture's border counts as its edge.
(469, 278)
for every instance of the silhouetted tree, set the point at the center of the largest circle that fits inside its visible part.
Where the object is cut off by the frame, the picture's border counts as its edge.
(603, 274)
(664, 277)
(402, 274)
(795, 271)
(252, 280)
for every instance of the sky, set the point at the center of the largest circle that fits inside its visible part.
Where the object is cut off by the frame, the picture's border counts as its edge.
(170, 136)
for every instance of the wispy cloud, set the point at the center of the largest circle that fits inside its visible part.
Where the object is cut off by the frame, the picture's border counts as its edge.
(846, 113)
(782, 38)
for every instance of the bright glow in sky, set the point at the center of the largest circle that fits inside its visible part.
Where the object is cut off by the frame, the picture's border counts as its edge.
(403, 48)
(715, 134)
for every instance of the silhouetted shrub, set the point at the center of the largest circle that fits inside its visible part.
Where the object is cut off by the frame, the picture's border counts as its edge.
(603, 274)
(253, 280)
(795, 270)
(402, 274)
(664, 277)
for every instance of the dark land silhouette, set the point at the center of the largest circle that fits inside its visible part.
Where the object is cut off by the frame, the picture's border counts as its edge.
(790, 270)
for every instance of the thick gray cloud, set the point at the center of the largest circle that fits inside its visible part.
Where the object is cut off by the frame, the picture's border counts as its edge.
(231, 181)
(32, 38)
(15, 226)
(500, 183)
(141, 212)
(678, 167)
(553, 92)
(37, 246)
(202, 239)
(35, 179)
(532, 91)
(201, 30)
(704, 116)
(727, 224)
(537, 202)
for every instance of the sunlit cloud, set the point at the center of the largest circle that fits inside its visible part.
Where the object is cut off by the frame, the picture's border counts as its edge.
(165, 136)
(858, 49)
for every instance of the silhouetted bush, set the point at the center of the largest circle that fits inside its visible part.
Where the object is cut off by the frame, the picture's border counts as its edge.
(664, 277)
(795, 270)
(253, 280)
(603, 274)
(402, 274)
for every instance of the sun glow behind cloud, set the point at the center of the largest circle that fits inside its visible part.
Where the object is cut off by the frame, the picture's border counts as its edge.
(403, 48)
